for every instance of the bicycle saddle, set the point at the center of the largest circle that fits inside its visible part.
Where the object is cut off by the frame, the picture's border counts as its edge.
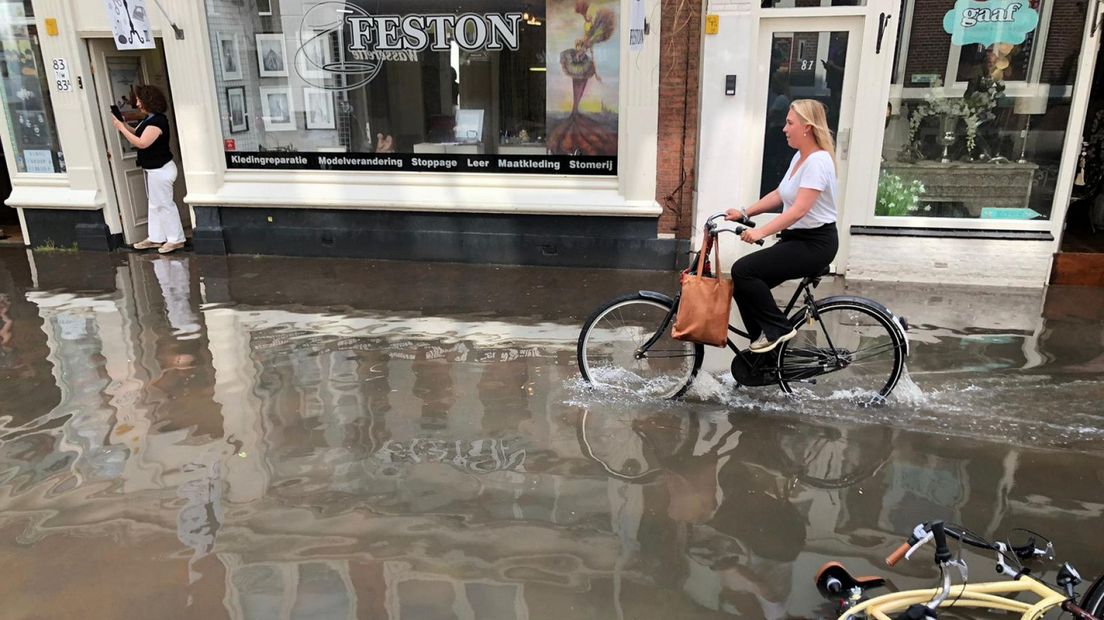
(834, 580)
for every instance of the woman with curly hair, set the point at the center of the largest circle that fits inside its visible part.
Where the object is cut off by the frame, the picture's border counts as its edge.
(151, 138)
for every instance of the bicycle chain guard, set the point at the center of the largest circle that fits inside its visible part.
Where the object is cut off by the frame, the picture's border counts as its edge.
(753, 369)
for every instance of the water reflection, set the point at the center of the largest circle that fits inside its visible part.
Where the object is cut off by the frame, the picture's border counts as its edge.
(311, 449)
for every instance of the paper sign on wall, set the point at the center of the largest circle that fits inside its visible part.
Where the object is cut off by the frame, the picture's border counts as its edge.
(38, 161)
(130, 26)
(636, 25)
(989, 22)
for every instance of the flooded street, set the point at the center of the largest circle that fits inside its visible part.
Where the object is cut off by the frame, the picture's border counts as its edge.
(197, 437)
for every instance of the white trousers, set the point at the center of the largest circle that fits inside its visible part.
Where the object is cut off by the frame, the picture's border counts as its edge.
(164, 218)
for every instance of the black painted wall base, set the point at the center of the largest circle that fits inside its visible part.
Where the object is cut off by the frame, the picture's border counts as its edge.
(67, 227)
(547, 240)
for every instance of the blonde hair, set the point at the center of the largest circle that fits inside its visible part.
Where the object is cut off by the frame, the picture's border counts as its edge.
(814, 114)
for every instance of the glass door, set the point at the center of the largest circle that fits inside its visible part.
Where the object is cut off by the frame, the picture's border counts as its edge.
(807, 58)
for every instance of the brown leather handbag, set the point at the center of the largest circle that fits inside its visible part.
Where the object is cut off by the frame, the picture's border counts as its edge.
(705, 302)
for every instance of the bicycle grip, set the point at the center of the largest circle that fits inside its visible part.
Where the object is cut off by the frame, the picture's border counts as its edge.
(895, 557)
(942, 551)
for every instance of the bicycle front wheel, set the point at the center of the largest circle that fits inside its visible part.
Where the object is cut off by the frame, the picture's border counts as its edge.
(854, 352)
(609, 349)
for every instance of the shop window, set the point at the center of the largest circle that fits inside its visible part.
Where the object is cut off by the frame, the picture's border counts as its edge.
(26, 92)
(979, 108)
(427, 85)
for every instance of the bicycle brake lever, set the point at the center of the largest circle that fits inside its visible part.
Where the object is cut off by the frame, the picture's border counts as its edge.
(923, 541)
(963, 570)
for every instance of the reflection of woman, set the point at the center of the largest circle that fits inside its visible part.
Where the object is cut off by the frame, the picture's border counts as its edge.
(151, 138)
(6, 323)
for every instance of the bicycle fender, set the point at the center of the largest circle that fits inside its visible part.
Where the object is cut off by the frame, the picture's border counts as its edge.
(656, 297)
(866, 301)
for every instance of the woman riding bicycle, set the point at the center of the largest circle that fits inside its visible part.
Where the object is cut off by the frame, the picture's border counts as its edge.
(808, 240)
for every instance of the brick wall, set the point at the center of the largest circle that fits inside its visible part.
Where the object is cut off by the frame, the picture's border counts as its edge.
(929, 43)
(680, 41)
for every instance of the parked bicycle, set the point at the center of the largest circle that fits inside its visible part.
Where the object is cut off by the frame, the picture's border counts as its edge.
(836, 584)
(847, 347)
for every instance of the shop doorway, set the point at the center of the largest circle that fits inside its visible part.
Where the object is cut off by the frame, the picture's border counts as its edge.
(1080, 260)
(115, 74)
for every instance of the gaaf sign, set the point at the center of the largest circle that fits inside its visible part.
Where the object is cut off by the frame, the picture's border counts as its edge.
(990, 21)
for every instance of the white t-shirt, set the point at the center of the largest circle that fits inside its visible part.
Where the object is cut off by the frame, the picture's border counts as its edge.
(819, 173)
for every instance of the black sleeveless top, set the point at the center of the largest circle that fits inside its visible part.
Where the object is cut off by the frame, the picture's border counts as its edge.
(157, 154)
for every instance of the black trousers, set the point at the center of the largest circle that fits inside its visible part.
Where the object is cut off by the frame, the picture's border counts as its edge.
(800, 253)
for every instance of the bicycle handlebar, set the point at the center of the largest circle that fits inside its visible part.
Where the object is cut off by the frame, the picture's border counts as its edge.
(942, 551)
(925, 532)
(714, 229)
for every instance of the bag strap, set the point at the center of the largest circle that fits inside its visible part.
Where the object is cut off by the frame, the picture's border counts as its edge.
(706, 243)
(717, 258)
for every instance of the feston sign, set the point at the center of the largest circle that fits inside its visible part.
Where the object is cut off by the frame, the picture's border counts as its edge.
(989, 22)
(471, 31)
(372, 40)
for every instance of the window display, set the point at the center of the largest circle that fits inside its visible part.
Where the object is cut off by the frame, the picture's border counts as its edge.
(24, 80)
(979, 106)
(403, 85)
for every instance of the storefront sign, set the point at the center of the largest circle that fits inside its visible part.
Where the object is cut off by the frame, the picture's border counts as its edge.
(129, 24)
(989, 22)
(371, 40)
(407, 162)
(1009, 213)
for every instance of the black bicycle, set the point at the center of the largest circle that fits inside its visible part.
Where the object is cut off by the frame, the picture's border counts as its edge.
(847, 347)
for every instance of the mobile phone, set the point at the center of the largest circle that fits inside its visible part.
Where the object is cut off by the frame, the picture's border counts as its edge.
(116, 112)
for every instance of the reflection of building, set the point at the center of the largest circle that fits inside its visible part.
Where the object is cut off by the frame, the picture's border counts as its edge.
(297, 475)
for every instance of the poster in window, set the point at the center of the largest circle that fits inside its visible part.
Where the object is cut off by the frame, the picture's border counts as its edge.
(319, 108)
(271, 55)
(276, 109)
(584, 57)
(239, 113)
(229, 56)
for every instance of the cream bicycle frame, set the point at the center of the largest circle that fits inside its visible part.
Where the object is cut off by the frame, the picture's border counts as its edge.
(989, 595)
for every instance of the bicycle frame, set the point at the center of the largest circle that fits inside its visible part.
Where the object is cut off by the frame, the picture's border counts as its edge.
(803, 289)
(989, 595)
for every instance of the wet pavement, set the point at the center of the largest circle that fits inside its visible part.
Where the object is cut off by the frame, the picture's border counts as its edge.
(194, 437)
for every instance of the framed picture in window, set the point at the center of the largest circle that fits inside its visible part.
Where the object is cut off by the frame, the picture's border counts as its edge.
(314, 54)
(264, 7)
(229, 54)
(276, 109)
(318, 104)
(272, 55)
(239, 112)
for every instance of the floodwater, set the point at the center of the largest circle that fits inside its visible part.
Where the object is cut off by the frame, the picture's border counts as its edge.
(193, 437)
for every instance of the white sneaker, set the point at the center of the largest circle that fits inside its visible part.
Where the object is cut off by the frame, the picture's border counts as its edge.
(762, 345)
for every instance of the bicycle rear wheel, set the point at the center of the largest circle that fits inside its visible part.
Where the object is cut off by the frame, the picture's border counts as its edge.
(611, 337)
(854, 352)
